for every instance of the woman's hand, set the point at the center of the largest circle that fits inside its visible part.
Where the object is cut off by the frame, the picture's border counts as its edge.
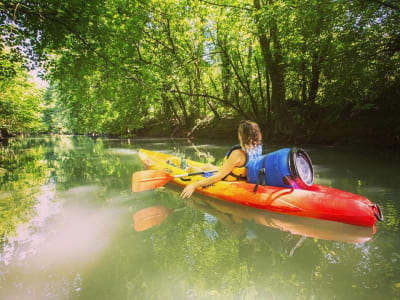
(188, 191)
(237, 158)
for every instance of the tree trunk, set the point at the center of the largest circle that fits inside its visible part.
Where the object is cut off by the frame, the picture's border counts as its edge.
(314, 84)
(263, 105)
(275, 67)
(3, 133)
(278, 79)
(303, 82)
(226, 74)
(213, 109)
(182, 105)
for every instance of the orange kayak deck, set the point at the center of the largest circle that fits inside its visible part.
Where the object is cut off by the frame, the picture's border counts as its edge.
(319, 202)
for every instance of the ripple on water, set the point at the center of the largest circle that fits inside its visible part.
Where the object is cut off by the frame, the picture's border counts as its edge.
(122, 151)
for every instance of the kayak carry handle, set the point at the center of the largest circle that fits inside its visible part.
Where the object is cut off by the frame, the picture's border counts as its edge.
(377, 212)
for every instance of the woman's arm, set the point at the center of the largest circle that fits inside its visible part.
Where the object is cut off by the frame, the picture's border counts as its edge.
(233, 160)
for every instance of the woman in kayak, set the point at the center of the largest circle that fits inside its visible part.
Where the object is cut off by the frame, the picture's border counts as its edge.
(233, 168)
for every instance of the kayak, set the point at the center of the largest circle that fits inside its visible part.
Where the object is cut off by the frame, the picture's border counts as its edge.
(317, 201)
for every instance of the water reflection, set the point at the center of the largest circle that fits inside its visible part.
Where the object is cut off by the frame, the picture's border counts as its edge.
(122, 151)
(231, 214)
(23, 170)
(150, 217)
(46, 257)
(66, 220)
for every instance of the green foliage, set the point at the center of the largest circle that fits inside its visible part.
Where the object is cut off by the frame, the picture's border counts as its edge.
(20, 101)
(54, 116)
(10, 62)
(115, 66)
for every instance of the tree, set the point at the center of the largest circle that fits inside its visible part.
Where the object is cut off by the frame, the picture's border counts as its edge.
(295, 67)
(20, 101)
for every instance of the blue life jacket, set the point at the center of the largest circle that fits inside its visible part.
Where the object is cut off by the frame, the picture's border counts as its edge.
(239, 173)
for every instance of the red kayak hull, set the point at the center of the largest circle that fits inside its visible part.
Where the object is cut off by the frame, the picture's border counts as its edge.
(318, 201)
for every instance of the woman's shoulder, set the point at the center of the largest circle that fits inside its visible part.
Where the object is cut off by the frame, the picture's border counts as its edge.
(238, 151)
(238, 155)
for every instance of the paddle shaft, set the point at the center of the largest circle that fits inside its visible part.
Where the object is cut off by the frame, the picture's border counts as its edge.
(150, 179)
(177, 176)
(194, 173)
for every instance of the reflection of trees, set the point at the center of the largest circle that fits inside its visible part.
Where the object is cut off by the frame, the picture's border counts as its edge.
(80, 160)
(28, 163)
(23, 169)
(203, 254)
(194, 253)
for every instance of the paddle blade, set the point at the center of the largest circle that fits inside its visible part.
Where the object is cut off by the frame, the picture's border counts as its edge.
(149, 179)
(149, 217)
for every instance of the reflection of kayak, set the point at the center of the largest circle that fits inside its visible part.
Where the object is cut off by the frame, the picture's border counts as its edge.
(317, 201)
(308, 227)
(230, 214)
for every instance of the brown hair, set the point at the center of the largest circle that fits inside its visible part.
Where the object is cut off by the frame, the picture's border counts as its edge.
(250, 134)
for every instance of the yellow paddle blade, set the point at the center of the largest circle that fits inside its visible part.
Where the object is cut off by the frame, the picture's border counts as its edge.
(149, 217)
(149, 179)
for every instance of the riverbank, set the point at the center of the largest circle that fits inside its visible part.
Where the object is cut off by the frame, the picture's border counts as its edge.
(377, 126)
(370, 127)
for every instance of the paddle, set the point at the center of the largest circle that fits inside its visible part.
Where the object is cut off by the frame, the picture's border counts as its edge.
(151, 179)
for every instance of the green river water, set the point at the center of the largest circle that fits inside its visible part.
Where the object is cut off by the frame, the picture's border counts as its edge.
(70, 228)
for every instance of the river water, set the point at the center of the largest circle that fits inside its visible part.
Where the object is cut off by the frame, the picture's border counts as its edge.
(70, 228)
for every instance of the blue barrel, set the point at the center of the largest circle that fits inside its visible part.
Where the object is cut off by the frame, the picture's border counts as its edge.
(277, 168)
(288, 167)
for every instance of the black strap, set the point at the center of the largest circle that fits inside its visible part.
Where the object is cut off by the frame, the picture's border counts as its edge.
(238, 177)
(261, 176)
(185, 179)
(234, 147)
